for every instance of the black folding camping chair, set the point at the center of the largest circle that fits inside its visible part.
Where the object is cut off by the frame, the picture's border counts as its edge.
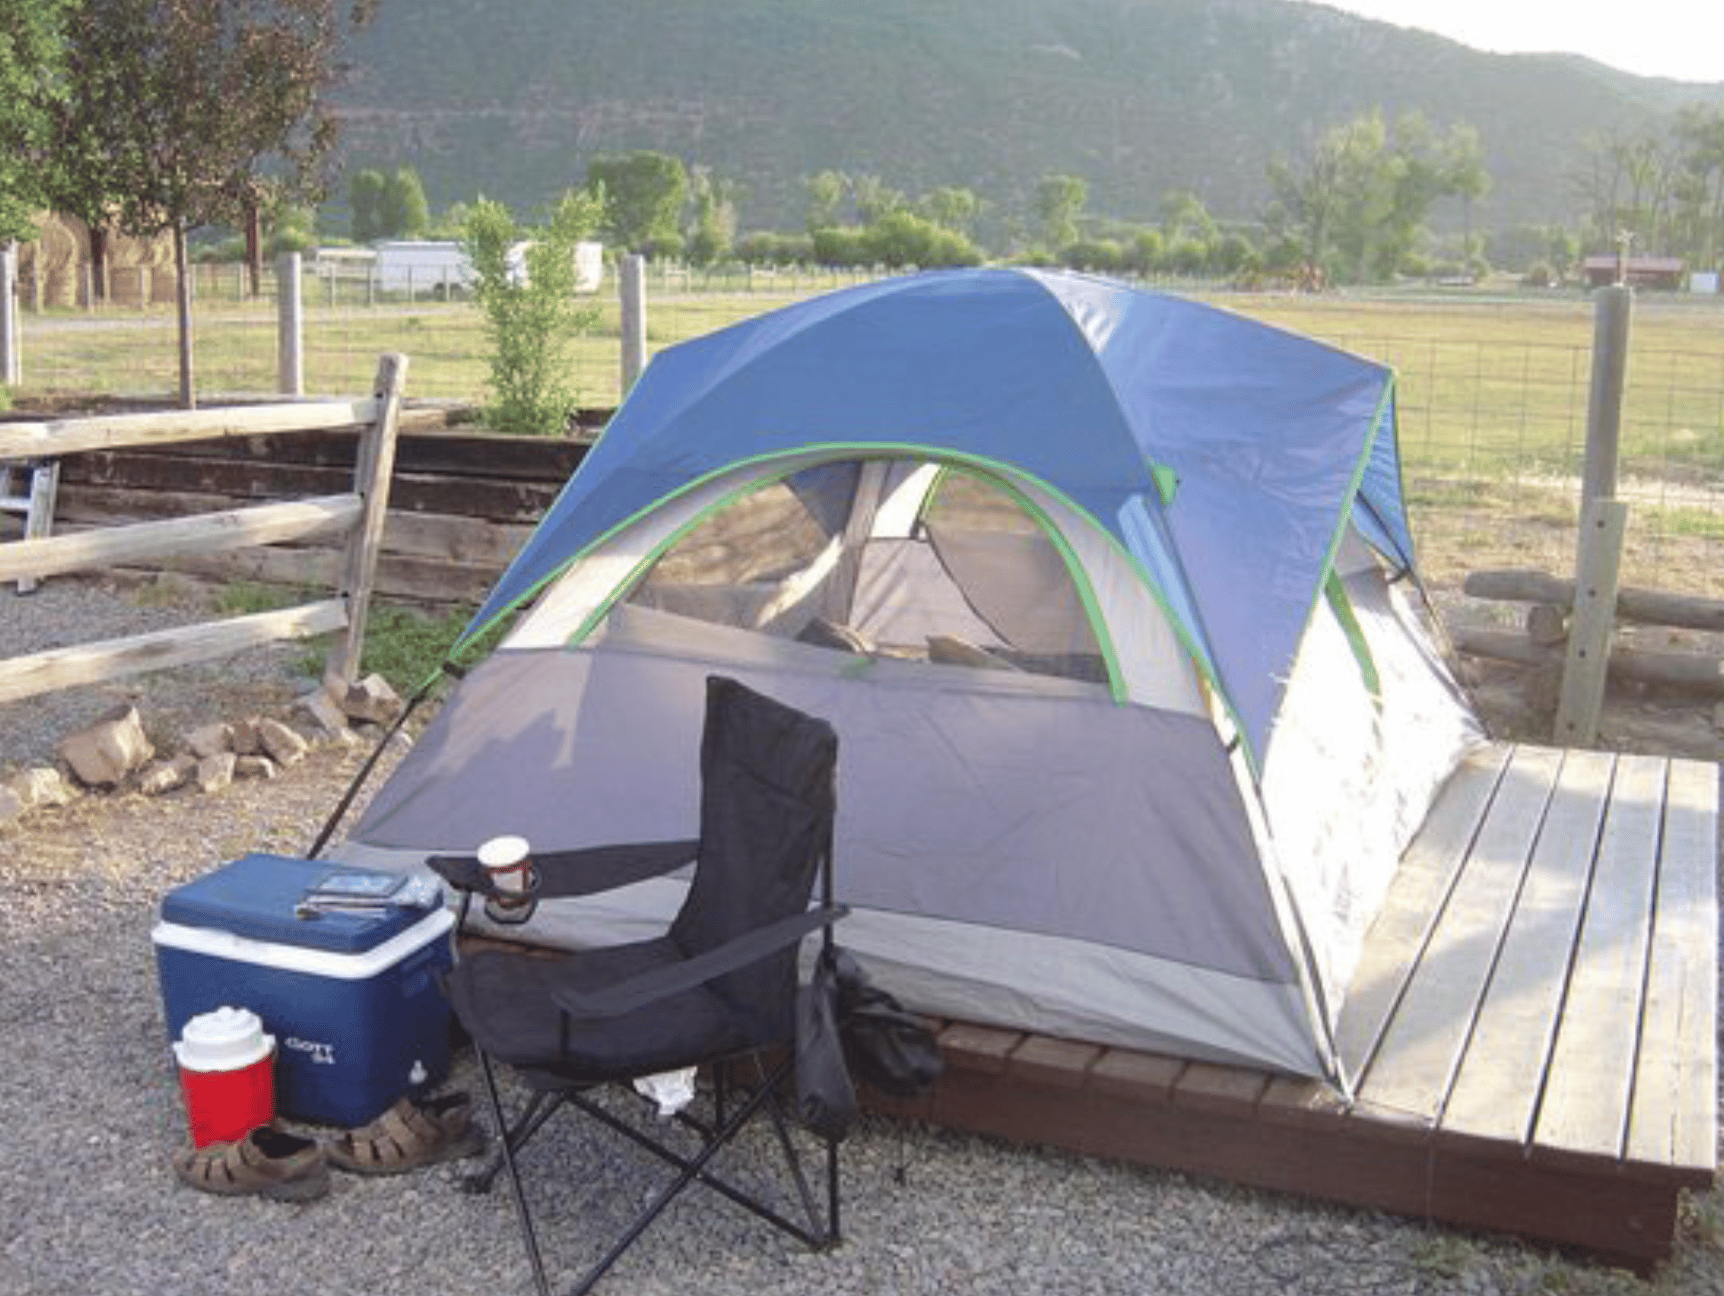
(717, 990)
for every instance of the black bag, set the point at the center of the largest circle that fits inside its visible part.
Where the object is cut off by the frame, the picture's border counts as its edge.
(825, 1094)
(886, 1044)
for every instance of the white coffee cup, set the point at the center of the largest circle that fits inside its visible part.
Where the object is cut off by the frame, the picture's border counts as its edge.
(508, 862)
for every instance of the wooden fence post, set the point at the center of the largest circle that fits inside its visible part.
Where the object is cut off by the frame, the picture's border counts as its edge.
(1603, 520)
(290, 326)
(371, 478)
(11, 352)
(1591, 622)
(631, 287)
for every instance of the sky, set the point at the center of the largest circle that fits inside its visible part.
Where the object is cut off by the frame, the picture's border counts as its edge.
(1682, 39)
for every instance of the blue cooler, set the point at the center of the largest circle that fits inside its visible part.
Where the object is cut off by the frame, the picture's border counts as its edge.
(352, 996)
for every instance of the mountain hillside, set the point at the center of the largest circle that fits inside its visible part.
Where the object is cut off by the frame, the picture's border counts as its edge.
(512, 97)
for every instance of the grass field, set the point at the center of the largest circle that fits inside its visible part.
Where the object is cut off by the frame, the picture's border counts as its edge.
(1492, 394)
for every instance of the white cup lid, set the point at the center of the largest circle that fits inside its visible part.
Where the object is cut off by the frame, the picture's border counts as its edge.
(224, 1040)
(501, 852)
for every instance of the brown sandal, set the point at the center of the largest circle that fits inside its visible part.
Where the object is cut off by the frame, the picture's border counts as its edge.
(267, 1162)
(410, 1135)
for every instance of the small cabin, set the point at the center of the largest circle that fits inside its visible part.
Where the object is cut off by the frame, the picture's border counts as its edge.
(1641, 271)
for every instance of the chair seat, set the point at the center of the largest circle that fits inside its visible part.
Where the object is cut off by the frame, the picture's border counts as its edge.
(507, 1001)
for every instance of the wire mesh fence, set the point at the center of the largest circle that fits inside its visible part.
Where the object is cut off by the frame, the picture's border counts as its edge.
(1491, 393)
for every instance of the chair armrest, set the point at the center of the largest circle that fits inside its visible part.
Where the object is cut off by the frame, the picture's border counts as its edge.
(662, 982)
(573, 872)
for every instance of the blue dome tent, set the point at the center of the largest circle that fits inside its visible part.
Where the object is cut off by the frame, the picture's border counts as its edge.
(1102, 590)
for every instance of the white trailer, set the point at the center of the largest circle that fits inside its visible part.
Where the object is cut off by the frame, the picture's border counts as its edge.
(438, 267)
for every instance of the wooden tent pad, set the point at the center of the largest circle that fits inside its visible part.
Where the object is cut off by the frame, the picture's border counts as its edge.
(1531, 1031)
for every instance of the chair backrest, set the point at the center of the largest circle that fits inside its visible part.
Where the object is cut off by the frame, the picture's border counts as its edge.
(767, 802)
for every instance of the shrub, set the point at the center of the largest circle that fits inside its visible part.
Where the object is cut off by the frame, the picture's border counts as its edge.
(531, 313)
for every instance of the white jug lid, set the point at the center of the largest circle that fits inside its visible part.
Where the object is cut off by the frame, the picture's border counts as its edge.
(224, 1040)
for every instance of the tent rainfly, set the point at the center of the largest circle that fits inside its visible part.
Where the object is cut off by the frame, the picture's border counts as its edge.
(1110, 596)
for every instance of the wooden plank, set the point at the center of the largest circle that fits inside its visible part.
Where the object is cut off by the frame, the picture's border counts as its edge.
(1060, 1063)
(1139, 1077)
(73, 436)
(1673, 1121)
(978, 1048)
(1584, 1114)
(114, 658)
(201, 534)
(1422, 1047)
(1414, 901)
(1624, 1220)
(1495, 1095)
(1224, 1090)
(1309, 1103)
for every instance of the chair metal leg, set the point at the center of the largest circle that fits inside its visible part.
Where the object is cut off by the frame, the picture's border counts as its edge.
(521, 1213)
(826, 1234)
(691, 1169)
(741, 1107)
(538, 1110)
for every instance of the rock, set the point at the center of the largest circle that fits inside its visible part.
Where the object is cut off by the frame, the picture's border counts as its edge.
(11, 806)
(167, 776)
(245, 741)
(216, 772)
(281, 744)
(108, 751)
(1718, 717)
(258, 767)
(208, 740)
(371, 700)
(40, 786)
(326, 718)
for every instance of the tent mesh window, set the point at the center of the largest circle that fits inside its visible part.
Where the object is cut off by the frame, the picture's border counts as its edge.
(893, 559)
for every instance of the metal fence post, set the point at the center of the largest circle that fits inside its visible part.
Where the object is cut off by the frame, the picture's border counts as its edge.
(11, 338)
(631, 286)
(290, 326)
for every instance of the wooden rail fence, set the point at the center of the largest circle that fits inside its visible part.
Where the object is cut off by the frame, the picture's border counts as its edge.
(356, 515)
(460, 506)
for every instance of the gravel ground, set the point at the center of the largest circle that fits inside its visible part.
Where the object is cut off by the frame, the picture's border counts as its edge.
(89, 1114)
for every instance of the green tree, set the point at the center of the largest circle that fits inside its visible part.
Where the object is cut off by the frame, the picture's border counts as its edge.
(901, 238)
(1626, 181)
(532, 316)
(1355, 204)
(644, 194)
(824, 194)
(365, 202)
(191, 101)
(1059, 205)
(1183, 216)
(33, 89)
(874, 198)
(953, 208)
(402, 211)
(293, 228)
(1699, 216)
(713, 226)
